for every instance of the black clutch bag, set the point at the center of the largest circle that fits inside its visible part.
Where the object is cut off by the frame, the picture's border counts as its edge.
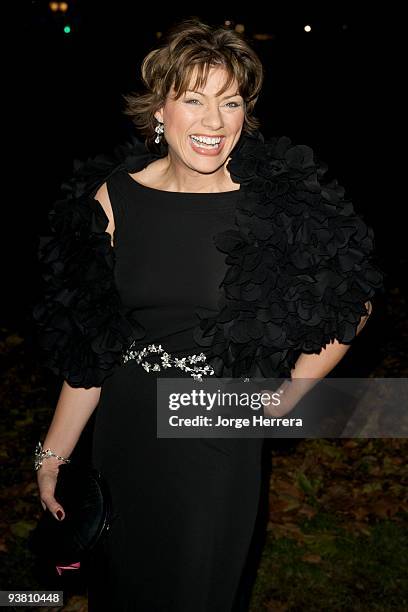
(85, 497)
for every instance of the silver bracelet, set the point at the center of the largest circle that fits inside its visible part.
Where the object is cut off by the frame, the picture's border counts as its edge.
(40, 454)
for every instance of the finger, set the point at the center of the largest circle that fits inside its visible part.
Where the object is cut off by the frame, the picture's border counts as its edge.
(54, 507)
(58, 512)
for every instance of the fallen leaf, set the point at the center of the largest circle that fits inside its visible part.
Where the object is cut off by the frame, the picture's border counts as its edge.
(310, 558)
(307, 511)
(385, 509)
(281, 486)
(286, 530)
(3, 546)
(357, 528)
(360, 512)
(274, 605)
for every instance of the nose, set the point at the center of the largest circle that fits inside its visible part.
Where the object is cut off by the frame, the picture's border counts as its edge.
(212, 118)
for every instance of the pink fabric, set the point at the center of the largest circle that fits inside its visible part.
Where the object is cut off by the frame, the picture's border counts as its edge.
(72, 566)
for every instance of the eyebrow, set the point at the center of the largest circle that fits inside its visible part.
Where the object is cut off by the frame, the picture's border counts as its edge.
(201, 94)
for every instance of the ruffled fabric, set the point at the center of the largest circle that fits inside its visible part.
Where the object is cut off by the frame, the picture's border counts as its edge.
(82, 326)
(300, 264)
(299, 269)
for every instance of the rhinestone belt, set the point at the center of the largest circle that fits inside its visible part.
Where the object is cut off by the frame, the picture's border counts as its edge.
(167, 361)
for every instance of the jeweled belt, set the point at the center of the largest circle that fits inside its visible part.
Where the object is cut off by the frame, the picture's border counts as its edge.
(167, 361)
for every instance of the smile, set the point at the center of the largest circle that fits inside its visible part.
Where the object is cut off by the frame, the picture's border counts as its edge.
(206, 146)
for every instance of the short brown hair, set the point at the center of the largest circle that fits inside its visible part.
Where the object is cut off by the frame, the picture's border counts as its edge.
(187, 45)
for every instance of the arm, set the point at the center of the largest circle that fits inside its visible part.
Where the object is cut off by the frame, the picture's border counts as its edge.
(73, 410)
(75, 405)
(311, 368)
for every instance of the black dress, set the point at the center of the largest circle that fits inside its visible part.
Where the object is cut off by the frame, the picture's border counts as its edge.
(184, 509)
(252, 278)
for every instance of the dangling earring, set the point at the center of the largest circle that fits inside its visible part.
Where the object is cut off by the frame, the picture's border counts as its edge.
(159, 129)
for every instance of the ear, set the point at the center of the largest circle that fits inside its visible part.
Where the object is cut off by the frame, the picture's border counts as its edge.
(159, 115)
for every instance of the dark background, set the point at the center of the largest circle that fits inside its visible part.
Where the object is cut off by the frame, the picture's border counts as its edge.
(334, 89)
(322, 88)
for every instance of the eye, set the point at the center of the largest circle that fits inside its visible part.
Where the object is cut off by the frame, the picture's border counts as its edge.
(236, 104)
(192, 100)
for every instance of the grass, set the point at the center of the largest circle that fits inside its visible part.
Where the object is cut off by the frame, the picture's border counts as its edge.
(334, 570)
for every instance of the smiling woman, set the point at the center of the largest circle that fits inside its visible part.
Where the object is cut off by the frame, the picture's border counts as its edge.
(199, 129)
(232, 257)
(200, 133)
(201, 102)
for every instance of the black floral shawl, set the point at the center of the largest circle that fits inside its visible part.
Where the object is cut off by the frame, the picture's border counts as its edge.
(300, 268)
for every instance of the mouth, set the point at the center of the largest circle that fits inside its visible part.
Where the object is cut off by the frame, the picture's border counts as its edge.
(207, 146)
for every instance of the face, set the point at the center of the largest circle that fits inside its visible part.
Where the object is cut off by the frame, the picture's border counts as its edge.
(198, 116)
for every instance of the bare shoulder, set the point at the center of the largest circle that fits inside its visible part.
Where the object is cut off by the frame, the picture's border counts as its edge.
(102, 196)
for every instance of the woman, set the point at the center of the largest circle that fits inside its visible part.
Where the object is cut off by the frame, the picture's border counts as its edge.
(208, 240)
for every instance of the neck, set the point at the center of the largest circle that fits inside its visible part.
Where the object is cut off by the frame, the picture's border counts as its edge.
(174, 175)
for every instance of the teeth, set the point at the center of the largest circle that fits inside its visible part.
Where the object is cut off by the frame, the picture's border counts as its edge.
(209, 141)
